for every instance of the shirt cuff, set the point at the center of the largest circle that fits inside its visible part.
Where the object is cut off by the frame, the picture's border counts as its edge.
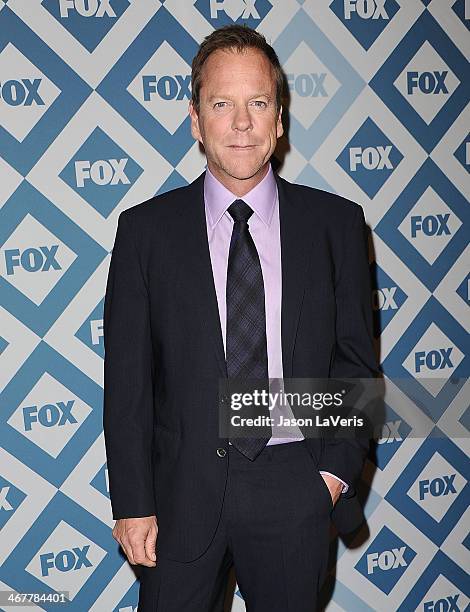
(345, 486)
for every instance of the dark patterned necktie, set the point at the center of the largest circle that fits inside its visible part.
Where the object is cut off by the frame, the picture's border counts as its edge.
(246, 349)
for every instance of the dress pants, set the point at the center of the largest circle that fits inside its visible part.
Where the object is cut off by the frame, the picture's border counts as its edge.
(274, 528)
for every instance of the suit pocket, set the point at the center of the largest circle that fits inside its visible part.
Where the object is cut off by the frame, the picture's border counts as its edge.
(321, 486)
(326, 491)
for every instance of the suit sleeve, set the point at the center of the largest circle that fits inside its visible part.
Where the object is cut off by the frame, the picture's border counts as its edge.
(128, 380)
(354, 355)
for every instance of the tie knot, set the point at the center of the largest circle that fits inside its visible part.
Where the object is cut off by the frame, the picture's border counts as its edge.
(240, 211)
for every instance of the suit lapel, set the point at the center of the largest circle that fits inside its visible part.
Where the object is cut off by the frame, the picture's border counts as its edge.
(195, 242)
(296, 240)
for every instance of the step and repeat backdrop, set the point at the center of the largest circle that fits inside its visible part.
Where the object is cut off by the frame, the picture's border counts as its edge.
(93, 119)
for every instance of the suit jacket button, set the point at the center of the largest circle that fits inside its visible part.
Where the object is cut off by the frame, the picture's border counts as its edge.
(221, 452)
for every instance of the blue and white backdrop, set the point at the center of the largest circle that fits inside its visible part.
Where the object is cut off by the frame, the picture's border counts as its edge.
(93, 109)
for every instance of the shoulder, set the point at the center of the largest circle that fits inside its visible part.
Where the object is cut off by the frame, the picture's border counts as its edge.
(159, 207)
(323, 204)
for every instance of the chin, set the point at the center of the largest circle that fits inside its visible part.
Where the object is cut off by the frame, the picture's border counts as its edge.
(244, 171)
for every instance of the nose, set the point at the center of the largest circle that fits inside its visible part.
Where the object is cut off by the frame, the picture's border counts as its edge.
(242, 119)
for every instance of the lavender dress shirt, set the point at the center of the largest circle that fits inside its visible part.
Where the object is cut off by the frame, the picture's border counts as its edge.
(264, 229)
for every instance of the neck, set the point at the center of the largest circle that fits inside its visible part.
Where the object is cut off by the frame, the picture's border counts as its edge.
(239, 187)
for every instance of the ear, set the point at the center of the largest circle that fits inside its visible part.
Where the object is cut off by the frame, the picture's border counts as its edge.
(195, 131)
(279, 126)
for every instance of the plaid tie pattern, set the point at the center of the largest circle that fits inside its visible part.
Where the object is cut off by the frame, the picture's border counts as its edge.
(246, 348)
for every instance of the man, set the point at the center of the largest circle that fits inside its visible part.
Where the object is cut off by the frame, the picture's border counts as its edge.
(196, 293)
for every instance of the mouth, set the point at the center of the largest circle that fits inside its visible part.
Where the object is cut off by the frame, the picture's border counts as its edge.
(241, 148)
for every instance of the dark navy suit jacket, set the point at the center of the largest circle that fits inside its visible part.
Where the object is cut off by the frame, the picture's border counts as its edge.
(164, 353)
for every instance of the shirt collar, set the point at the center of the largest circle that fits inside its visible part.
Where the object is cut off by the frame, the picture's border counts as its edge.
(262, 198)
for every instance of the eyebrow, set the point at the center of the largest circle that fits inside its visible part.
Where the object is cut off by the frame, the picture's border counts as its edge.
(258, 95)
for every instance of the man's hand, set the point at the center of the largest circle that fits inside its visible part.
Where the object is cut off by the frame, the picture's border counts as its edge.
(334, 486)
(138, 538)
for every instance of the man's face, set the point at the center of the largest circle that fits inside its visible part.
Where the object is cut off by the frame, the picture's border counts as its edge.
(237, 122)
